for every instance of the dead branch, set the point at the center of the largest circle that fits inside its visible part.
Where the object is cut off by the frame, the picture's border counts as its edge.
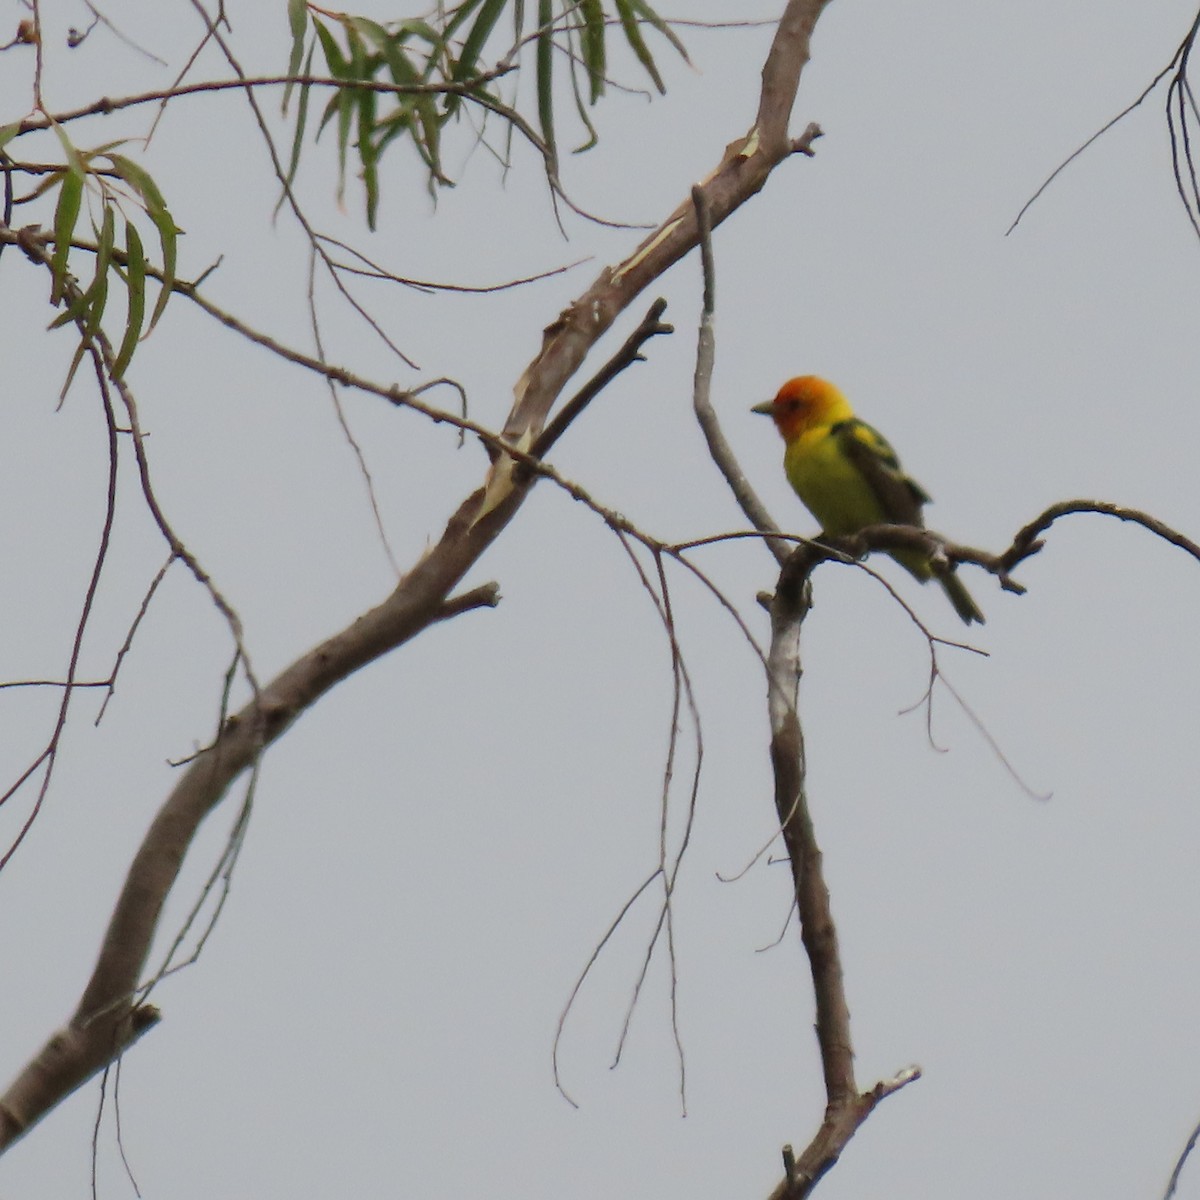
(1027, 541)
(629, 353)
(1178, 99)
(706, 416)
(846, 1109)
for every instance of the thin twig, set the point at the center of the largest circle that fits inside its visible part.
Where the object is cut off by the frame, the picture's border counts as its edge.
(49, 754)
(629, 353)
(1180, 1162)
(1178, 60)
(339, 411)
(106, 106)
(722, 453)
(127, 644)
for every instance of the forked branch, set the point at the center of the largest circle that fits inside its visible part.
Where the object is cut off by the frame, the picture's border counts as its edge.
(846, 1107)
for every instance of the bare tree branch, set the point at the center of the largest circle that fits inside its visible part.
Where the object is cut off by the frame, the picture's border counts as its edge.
(629, 353)
(1181, 1162)
(718, 446)
(846, 1109)
(1178, 88)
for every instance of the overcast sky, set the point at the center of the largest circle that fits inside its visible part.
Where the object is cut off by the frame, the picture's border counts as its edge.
(436, 849)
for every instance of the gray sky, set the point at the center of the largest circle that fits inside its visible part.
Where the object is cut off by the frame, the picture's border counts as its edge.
(436, 849)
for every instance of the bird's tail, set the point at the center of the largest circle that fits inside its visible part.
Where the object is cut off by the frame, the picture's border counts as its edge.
(963, 603)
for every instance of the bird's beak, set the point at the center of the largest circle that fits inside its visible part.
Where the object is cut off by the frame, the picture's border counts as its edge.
(766, 408)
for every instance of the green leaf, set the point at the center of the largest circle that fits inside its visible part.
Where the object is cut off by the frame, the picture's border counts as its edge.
(74, 162)
(48, 183)
(440, 57)
(101, 151)
(489, 14)
(416, 115)
(339, 68)
(431, 144)
(104, 243)
(335, 60)
(418, 28)
(135, 282)
(66, 213)
(71, 313)
(371, 31)
(156, 209)
(345, 114)
(461, 13)
(581, 109)
(633, 35)
(545, 77)
(398, 124)
(591, 43)
(8, 132)
(96, 299)
(349, 102)
(358, 68)
(401, 70)
(301, 124)
(331, 109)
(643, 10)
(166, 238)
(76, 359)
(140, 180)
(90, 304)
(298, 22)
(97, 293)
(367, 154)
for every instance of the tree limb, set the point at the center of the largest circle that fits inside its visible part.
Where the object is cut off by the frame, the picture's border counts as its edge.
(718, 446)
(845, 1109)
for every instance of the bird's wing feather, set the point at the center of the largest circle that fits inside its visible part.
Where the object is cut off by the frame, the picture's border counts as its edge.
(872, 455)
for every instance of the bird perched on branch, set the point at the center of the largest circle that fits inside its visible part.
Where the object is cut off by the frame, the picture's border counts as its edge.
(849, 476)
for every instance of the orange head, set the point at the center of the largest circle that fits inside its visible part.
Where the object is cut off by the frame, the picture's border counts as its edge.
(804, 403)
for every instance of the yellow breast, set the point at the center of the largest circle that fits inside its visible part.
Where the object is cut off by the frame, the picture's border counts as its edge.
(830, 484)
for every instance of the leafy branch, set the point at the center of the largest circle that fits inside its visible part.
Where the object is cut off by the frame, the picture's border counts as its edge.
(80, 182)
(432, 69)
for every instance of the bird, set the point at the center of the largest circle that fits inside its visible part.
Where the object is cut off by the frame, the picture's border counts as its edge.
(849, 477)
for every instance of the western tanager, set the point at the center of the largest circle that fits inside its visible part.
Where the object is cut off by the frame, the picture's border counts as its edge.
(849, 476)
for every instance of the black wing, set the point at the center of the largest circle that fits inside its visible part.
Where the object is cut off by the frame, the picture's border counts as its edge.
(899, 496)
